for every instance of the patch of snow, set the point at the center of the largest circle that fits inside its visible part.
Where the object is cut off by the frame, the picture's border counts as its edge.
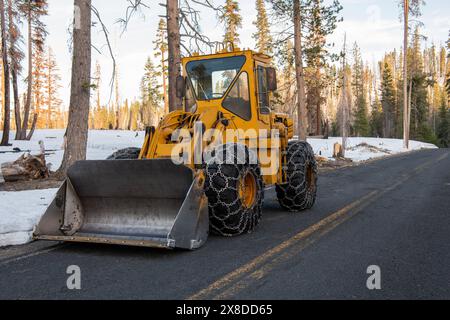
(362, 149)
(101, 144)
(20, 212)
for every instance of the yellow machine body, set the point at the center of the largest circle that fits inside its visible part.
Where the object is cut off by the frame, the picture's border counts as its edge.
(212, 113)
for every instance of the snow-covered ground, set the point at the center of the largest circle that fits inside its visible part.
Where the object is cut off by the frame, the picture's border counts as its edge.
(101, 144)
(21, 211)
(362, 149)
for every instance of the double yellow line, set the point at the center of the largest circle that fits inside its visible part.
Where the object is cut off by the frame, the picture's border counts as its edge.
(250, 273)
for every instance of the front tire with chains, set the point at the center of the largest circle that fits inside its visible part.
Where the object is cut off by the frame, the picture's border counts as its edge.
(299, 192)
(235, 190)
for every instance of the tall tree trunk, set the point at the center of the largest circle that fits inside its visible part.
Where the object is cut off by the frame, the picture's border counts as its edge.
(173, 32)
(27, 106)
(17, 116)
(166, 98)
(406, 112)
(33, 127)
(77, 128)
(301, 92)
(318, 106)
(6, 98)
(345, 99)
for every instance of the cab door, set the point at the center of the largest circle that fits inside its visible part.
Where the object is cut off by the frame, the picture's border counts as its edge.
(263, 94)
(268, 149)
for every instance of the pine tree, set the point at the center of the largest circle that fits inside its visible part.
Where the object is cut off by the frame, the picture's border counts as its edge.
(376, 118)
(361, 125)
(116, 107)
(6, 93)
(16, 56)
(409, 8)
(417, 89)
(39, 65)
(320, 21)
(448, 68)
(51, 88)
(33, 11)
(387, 101)
(96, 115)
(443, 131)
(161, 48)
(151, 95)
(262, 36)
(232, 20)
(286, 87)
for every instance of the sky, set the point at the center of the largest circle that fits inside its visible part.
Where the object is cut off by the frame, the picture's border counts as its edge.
(374, 24)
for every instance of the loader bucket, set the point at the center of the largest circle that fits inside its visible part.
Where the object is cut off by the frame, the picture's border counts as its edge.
(148, 203)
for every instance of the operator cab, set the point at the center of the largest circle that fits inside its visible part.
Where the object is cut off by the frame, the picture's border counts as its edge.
(228, 79)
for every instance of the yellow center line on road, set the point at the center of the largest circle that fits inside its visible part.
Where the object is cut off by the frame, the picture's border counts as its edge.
(264, 258)
(241, 278)
(32, 254)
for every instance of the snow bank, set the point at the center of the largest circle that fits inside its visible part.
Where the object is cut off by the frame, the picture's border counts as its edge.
(101, 144)
(20, 211)
(362, 149)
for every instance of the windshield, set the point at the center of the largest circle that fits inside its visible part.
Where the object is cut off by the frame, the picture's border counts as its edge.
(212, 78)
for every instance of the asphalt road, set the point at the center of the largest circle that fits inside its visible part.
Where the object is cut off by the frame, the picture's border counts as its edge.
(393, 213)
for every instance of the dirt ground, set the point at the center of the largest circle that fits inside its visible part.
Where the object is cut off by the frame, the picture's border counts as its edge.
(31, 185)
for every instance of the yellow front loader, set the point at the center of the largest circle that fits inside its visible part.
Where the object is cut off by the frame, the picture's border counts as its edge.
(203, 169)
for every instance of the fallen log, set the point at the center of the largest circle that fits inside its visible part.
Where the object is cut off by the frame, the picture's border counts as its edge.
(27, 167)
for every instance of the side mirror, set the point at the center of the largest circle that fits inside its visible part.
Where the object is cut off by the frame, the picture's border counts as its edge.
(272, 84)
(181, 87)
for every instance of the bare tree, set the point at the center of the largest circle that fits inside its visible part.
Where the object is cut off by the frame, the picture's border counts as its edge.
(6, 97)
(77, 128)
(183, 32)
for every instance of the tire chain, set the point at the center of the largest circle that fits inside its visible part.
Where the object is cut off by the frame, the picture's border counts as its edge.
(224, 171)
(296, 195)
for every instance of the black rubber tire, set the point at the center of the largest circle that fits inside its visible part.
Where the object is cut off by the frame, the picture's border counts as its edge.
(125, 154)
(229, 216)
(299, 193)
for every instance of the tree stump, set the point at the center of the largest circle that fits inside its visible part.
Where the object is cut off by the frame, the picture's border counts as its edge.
(338, 151)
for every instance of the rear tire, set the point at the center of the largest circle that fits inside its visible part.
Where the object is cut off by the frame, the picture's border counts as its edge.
(235, 190)
(299, 192)
(125, 154)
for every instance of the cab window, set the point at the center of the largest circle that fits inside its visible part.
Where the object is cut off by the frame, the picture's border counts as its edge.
(263, 92)
(211, 78)
(190, 97)
(238, 99)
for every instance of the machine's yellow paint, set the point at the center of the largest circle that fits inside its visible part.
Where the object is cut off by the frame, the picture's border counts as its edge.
(247, 190)
(158, 142)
